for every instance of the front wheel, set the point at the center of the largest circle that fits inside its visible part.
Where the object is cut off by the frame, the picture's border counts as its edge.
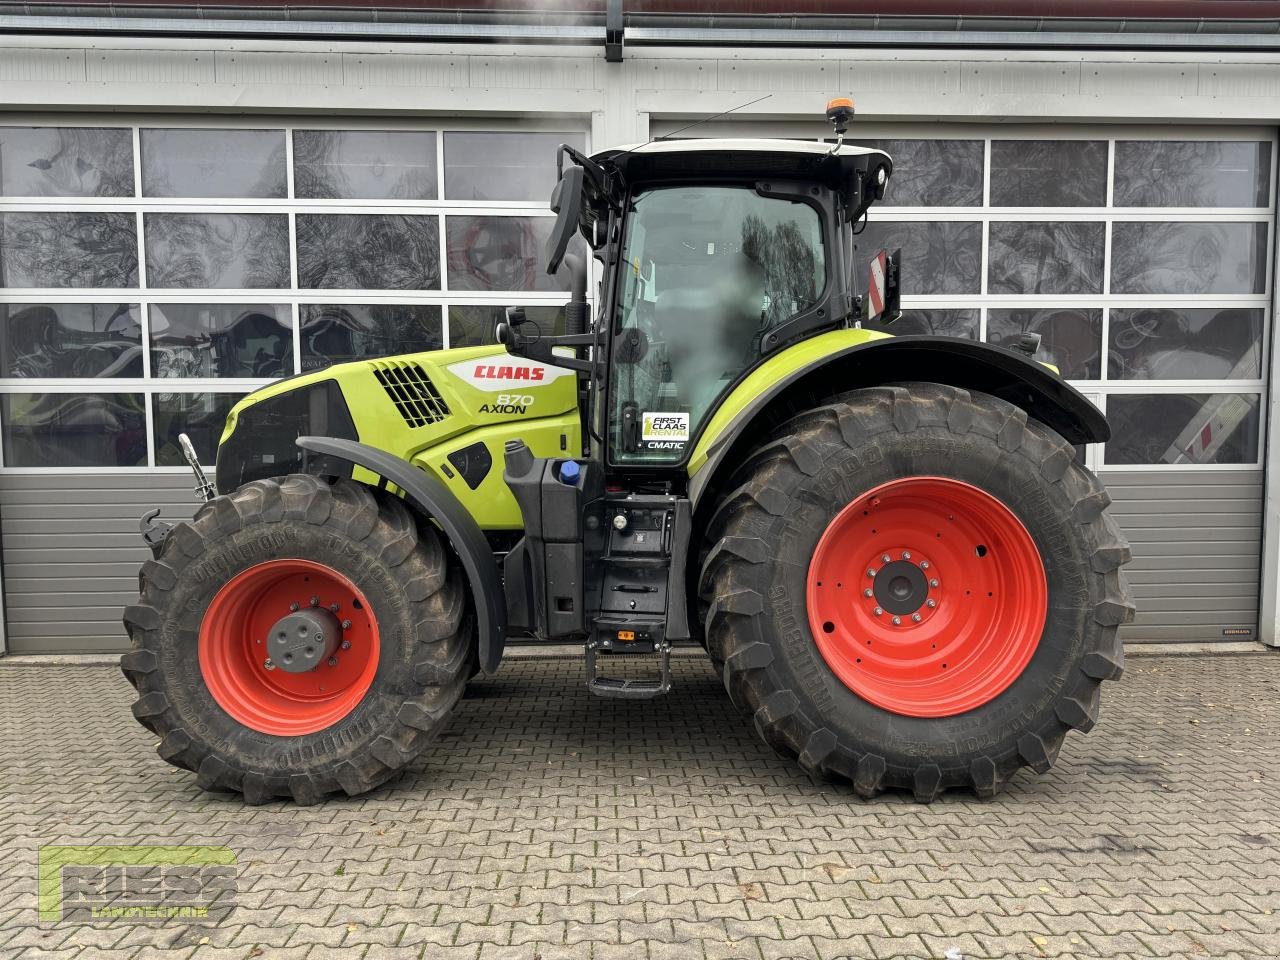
(298, 638)
(916, 587)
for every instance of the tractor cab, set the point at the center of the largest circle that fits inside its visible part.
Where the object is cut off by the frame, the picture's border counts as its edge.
(714, 255)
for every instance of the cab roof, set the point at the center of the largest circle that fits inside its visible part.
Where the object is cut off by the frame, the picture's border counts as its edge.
(685, 160)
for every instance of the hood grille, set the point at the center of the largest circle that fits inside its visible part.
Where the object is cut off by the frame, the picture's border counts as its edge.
(413, 393)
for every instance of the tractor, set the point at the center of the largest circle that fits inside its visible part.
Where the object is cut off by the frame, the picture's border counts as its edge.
(889, 547)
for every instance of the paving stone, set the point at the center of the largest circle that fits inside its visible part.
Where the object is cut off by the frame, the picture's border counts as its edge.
(547, 824)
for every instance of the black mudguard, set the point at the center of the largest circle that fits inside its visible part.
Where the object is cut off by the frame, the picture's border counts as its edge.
(328, 456)
(1007, 374)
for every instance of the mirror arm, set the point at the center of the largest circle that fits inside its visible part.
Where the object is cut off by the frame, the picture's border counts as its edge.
(543, 348)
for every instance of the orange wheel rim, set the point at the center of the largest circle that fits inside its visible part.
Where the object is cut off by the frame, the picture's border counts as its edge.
(927, 597)
(235, 655)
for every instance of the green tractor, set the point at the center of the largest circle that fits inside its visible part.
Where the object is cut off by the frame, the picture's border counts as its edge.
(888, 546)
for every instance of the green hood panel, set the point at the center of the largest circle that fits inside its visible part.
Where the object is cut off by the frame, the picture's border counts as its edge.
(481, 395)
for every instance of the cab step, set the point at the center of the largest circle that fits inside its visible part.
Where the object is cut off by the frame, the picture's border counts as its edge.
(630, 688)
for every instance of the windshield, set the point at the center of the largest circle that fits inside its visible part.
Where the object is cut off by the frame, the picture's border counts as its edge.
(707, 271)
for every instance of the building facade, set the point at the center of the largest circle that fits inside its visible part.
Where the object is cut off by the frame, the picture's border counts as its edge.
(190, 210)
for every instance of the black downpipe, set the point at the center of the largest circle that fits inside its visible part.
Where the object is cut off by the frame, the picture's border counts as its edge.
(575, 311)
(576, 320)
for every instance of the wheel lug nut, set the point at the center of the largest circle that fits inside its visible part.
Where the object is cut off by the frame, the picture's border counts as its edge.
(931, 604)
(915, 617)
(897, 620)
(346, 644)
(924, 564)
(267, 664)
(315, 601)
(333, 607)
(333, 661)
(878, 611)
(871, 573)
(884, 558)
(906, 555)
(346, 624)
(933, 583)
(293, 607)
(867, 592)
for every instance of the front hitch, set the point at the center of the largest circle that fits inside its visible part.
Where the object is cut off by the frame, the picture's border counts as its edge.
(153, 529)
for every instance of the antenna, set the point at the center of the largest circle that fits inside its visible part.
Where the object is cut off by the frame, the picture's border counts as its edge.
(714, 116)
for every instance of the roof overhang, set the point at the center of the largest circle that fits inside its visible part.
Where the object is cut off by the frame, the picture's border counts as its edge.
(1202, 25)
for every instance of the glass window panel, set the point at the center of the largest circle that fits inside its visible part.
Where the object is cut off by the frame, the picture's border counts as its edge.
(1182, 428)
(503, 166)
(224, 250)
(938, 323)
(364, 164)
(1173, 343)
(1031, 258)
(933, 173)
(74, 429)
(1192, 173)
(471, 325)
(368, 252)
(213, 163)
(1070, 339)
(68, 250)
(66, 162)
(500, 253)
(58, 340)
(221, 340)
(1048, 173)
(336, 333)
(1188, 257)
(937, 258)
(201, 416)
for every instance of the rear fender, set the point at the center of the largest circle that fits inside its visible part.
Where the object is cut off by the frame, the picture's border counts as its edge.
(967, 364)
(328, 456)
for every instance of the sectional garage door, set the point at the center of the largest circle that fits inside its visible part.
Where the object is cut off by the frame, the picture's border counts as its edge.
(1142, 257)
(151, 272)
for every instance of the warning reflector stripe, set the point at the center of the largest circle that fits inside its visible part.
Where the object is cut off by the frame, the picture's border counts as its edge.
(875, 288)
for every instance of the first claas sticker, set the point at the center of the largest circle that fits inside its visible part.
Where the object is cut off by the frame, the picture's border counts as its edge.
(670, 427)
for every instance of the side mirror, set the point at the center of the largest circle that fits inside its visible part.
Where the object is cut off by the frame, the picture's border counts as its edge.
(884, 290)
(566, 201)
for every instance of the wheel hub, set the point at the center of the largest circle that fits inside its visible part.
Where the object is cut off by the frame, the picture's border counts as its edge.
(926, 596)
(901, 586)
(304, 639)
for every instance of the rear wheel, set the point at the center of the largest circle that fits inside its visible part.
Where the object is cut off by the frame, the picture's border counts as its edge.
(916, 587)
(298, 638)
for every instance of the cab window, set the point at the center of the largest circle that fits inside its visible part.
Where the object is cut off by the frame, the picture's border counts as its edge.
(707, 273)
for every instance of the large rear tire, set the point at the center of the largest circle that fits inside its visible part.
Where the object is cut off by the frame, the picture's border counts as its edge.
(338, 559)
(915, 587)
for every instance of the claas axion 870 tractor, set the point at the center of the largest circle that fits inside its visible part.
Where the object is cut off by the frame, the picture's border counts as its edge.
(888, 546)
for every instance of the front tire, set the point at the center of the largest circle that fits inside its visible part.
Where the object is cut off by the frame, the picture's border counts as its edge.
(992, 624)
(341, 559)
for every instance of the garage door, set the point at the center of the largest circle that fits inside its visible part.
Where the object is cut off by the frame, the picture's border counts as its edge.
(153, 272)
(1142, 257)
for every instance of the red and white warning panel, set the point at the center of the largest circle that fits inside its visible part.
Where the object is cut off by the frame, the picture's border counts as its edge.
(876, 283)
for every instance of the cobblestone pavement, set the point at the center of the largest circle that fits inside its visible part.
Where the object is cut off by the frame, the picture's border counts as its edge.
(548, 824)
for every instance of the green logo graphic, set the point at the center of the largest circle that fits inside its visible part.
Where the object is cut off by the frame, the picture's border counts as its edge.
(136, 883)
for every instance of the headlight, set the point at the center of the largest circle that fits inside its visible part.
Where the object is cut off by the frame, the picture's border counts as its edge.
(262, 442)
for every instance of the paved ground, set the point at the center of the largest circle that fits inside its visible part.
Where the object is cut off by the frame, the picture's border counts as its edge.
(548, 824)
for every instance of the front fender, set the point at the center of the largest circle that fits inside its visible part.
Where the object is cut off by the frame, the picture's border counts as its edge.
(870, 362)
(433, 499)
